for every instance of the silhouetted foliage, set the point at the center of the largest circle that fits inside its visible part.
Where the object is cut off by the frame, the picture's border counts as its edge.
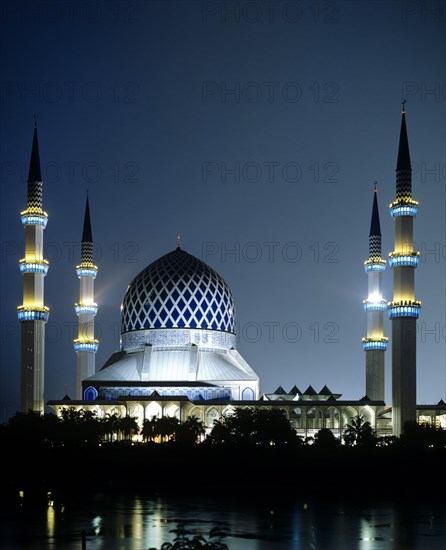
(79, 427)
(148, 431)
(249, 426)
(386, 441)
(110, 426)
(169, 429)
(326, 440)
(128, 426)
(419, 436)
(190, 431)
(359, 432)
(166, 427)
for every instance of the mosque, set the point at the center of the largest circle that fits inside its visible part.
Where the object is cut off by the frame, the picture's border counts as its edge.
(178, 354)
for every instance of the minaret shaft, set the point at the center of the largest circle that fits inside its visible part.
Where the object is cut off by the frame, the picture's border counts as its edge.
(32, 365)
(404, 350)
(33, 314)
(85, 345)
(404, 309)
(375, 343)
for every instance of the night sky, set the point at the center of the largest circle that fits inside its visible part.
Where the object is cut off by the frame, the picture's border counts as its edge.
(253, 129)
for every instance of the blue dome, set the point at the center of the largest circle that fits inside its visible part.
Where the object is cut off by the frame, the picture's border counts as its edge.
(178, 291)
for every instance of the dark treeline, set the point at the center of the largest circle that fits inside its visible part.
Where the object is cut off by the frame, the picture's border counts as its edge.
(251, 451)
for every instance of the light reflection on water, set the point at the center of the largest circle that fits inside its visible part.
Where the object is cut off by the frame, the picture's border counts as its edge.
(117, 522)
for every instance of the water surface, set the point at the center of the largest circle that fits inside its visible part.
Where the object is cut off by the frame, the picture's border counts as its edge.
(129, 522)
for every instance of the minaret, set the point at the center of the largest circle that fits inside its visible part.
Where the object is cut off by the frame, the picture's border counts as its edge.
(85, 345)
(375, 344)
(32, 313)
(404, 309)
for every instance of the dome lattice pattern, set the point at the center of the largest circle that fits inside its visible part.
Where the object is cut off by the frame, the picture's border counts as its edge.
(178, 291)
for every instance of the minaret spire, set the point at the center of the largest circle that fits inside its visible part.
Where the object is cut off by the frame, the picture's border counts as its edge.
(403, 167)
(375, 344)
(34, 174)
(87, 237)
(375, 228)
(33, 314)
(404, 309)
(85, 344)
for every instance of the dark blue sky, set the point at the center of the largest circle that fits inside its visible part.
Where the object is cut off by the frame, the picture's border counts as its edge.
(256, 127)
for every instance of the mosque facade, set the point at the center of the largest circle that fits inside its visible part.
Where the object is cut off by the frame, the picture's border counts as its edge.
(178, 354)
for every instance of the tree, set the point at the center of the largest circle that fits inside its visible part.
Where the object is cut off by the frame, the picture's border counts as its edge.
(26, 428)
(166, 427)
(326, 440)
(249, 426)
(190, 431)
(359, 432)
(80, 426)
(422, 436)
(220, 433)
(110, 426)
(149, 428)
(128, 426)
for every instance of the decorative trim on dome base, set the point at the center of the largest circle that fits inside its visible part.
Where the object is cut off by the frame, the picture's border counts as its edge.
(212, 339)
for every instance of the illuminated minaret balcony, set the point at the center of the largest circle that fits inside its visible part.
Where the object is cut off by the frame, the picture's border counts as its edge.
(34, 266)
(401, 259)
(369, 344)
(34, 216)
(86, 345)
(403, 207)
(374, 264)
(404, 308)
(86, 309)
(375, 305)
(86, 270)
(33, 313)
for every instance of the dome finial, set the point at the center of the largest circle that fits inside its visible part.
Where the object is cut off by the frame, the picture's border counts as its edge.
(375, 183)
(403, 103)
(178, 241)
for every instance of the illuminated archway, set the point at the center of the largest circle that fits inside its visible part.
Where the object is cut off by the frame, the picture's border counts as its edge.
(153, 409)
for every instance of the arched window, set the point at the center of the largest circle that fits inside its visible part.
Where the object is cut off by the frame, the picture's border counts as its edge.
(247, 394)
(90, 394)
